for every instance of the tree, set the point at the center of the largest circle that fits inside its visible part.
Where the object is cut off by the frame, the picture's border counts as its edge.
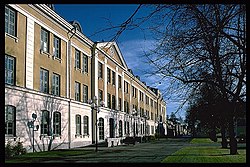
(197, 44)
(205, 39)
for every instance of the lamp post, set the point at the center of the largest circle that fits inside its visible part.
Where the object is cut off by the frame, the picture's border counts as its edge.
(31, 125)
(95, 106)
(134, 112)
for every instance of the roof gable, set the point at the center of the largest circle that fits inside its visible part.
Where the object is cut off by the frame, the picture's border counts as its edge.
(112, 49)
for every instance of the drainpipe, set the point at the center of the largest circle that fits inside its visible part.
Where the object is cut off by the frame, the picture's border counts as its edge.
(93, 87)
(70, 34)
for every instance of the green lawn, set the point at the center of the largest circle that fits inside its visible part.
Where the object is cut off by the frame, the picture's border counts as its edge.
(197, 153)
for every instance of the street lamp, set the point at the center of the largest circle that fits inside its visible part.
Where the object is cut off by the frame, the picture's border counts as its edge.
(31, 125)
(94, 106)
(133, 114)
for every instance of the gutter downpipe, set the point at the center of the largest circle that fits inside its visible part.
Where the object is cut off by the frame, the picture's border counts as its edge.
(93, 87)
(72, 31)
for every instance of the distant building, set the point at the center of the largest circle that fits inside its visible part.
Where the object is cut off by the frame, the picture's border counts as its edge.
(52, 69)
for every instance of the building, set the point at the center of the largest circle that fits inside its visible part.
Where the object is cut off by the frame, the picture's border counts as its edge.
(52, 70)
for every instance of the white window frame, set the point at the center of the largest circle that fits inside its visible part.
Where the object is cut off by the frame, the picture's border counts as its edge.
(57, 47)
(10, 120)
(77, 91)
(77, 59)
(10, 23)
(85, 125)
(85, 93)
(10, 70)
(44, 80)
(56, 84)
(44, 41)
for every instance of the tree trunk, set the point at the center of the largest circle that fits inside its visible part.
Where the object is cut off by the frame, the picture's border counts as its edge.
(223, 137)
(233, 141)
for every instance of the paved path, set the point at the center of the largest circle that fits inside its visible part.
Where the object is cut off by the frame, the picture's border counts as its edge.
(151, 152)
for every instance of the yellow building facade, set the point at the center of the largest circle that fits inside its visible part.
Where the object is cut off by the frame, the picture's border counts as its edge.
(52, 70)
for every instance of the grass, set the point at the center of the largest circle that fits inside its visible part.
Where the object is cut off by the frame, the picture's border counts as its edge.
(46, 155)
(196, 153)
(201, 140)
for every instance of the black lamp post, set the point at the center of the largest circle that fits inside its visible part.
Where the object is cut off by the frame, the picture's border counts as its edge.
(31, 125)
(96, 107)
(133, 114)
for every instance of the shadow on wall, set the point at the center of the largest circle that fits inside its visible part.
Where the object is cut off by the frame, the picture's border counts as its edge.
(26, 104)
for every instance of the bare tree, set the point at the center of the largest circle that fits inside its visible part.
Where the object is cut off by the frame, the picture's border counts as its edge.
(197, 41)
(210, 40)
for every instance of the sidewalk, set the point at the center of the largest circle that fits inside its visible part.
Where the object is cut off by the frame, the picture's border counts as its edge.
(151, 152)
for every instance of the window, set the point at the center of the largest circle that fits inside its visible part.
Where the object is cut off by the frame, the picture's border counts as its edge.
(141, 96)
(152, 116)
(113, 77)
(77, 91)
(86, 125)
(152, 130)
(101, 129)
(85, 93)
(125, 127)
(151, 102)
(120, 104)
(45, 123)
(10, 120)
(44, 40)
(125, 87)
(78, 124)
(128, 131)
(119, 81)
(77, 59)
(10, 21)
(134, 90)
(56, 84)
(120, 128)
(109, 100)
(9, 70)
(125, 106)
(85, 63)
(100, 70)
(100, 95)
(57, 47)
(113, 102)
(111, 128)
(147, 100)
(108, 75)
(44, 81)
(57, 123)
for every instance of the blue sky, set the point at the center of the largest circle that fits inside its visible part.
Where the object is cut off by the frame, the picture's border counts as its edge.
(132, 43)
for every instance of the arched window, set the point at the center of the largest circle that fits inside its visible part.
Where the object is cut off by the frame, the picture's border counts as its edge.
(57, 123)
(111, 128)
(78, 124)
(10, 120)
(101, 129)
(45, 123)
(128, 131)
(86, 125)
(120, 128)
